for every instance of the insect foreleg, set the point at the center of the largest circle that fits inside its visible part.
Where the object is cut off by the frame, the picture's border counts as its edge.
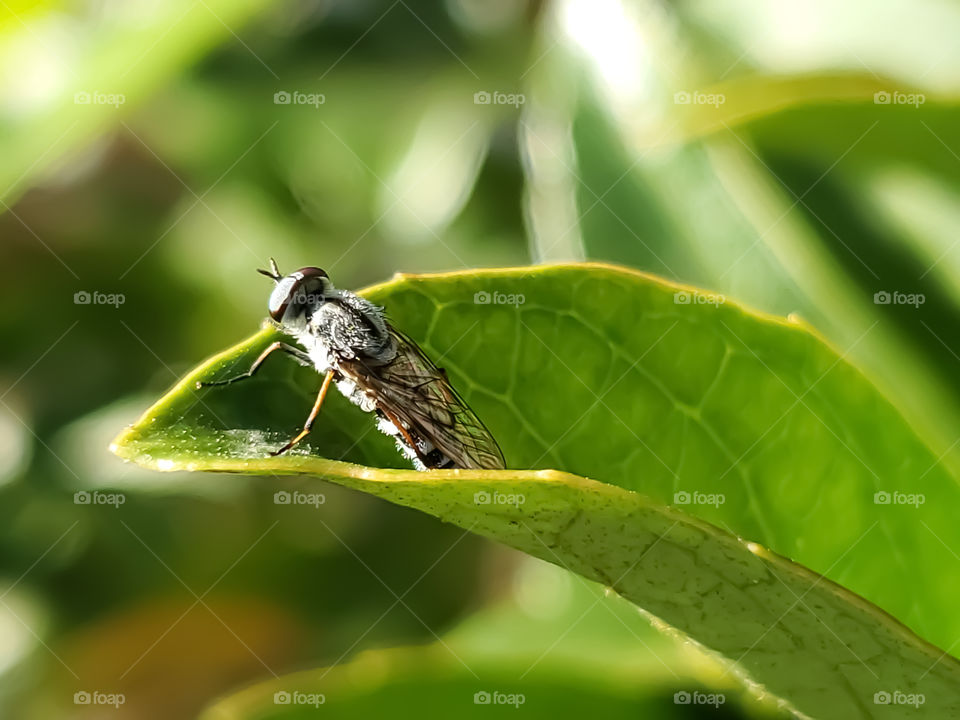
(300, 356)
(313, 414)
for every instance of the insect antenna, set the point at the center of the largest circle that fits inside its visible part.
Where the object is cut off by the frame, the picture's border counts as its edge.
(273, 273)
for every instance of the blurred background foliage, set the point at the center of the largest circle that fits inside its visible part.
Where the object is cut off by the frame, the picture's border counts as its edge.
(733, 144)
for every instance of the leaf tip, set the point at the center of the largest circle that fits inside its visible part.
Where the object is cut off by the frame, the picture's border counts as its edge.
(118, 445)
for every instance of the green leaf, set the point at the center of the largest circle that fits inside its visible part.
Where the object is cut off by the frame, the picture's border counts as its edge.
(418, 682)
(580, 644)
(782, 175)
(607, 373)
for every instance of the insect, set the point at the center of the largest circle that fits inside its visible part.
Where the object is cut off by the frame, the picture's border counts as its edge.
(347, 339)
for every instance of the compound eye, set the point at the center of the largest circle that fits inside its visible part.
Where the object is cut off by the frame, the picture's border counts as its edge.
(303, 288)
(282, 295)
(306, 273)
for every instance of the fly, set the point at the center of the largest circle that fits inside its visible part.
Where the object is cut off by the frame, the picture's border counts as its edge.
(347, 339)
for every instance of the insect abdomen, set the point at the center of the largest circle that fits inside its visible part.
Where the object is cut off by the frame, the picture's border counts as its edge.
(356, 395)
(429, 457)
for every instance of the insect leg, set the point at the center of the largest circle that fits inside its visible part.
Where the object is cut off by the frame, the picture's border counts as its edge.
(301, 356)
(406, 435)
(313, 414)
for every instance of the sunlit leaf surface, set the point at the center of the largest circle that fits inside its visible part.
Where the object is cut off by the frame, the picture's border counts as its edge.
(663, 395)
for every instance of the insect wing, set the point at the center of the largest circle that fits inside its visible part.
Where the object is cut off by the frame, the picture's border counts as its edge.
(415, 391)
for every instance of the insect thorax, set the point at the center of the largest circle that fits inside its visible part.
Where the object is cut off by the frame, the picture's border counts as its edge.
(347, 327)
